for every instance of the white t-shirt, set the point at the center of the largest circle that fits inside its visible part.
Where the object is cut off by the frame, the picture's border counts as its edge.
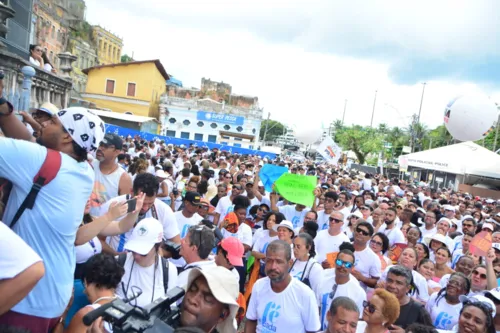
(444, 316)
(244, 234)
(87, 250)
(307, 269)
(325, 243)
(368, 264)
(263, 241)
(165, 216)
(184, 223)
(293, 310)
(294, 216)
(224, 207)
(11, 247)
(395, 235)
(351, 289)
(419, 281)
(323, 220)
(149, 279)
(427, 233)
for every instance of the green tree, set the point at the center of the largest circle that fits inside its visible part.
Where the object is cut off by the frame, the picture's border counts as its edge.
(362, 141)
(274, 129)
(126, 58)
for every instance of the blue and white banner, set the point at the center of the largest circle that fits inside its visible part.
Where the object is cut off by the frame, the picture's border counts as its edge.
(222, 118)
(124, 132)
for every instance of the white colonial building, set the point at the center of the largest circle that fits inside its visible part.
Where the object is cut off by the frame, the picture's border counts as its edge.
(210, 121)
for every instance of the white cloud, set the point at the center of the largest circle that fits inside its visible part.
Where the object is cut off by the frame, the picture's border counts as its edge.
(277, 51)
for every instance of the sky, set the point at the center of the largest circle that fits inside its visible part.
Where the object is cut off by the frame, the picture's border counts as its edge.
(305, 59)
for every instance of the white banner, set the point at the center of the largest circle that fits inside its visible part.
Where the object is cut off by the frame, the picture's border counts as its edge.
(330, 150)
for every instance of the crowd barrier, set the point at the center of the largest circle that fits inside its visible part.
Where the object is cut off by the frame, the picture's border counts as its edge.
(124, 132)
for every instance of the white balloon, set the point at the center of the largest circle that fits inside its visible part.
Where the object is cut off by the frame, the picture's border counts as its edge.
(470, 117)
(308, 135)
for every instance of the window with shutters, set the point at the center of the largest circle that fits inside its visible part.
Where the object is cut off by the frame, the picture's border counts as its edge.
(131, 89)
(110, 86)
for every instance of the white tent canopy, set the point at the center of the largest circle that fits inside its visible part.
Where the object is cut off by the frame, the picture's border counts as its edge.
(461, 158)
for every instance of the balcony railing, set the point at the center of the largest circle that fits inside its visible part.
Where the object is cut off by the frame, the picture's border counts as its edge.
(27, 86)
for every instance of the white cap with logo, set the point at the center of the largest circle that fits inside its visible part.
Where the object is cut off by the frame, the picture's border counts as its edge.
(146, 234)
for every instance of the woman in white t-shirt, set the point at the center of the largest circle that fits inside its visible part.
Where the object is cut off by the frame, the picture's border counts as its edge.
(304, 267)
(444, 306)
(101, 279)
(36, 55)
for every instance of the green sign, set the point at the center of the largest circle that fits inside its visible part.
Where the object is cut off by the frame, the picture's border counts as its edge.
(296, 188)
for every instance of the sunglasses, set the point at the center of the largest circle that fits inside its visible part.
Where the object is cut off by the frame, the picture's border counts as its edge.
(374, 242)
(370, 306)
(239, 188)
(341, 263)
(263, 210)
(333, 219)
(481, 275)
(363, 232)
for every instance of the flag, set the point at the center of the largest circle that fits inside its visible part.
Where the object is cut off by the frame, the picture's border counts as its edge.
(330, 150)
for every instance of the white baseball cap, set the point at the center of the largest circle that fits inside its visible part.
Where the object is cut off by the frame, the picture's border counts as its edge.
(286, 224)
(146, 234)
(224, 288)
(481, 299)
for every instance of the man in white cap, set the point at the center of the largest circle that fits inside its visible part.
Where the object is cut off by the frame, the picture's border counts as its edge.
(50, 226)
(144, 267)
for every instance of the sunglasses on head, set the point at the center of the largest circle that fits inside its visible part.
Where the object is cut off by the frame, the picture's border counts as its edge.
(370, 306)
(363, 232)
(481, 275)
(333, 219)
(341, 263)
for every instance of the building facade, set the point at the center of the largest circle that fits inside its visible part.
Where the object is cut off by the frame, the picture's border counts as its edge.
(109, 46)
(132, 87)
(212, 114)
(51, 28)
(87, 58)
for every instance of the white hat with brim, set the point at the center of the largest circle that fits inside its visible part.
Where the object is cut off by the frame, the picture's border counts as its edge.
(161, 174)
(224, 288)
(285, 224)
(356, 213)
(146, 234)
(479, 298)
(49, 108)
(439, 238)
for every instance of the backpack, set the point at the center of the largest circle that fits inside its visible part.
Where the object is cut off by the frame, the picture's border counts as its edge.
(48, 171)
(122, 257)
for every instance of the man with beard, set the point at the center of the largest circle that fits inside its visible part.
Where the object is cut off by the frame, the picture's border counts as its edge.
(152, 207)
(390, 229)
(50, 226)
(111, 180)
(280, 303)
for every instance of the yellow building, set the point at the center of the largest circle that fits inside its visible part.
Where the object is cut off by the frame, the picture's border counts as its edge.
(129, 87)
(109, 46)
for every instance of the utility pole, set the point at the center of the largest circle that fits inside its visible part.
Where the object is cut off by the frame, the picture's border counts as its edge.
(421, 101)
(267, 124)
(343, 117)
(373, 111)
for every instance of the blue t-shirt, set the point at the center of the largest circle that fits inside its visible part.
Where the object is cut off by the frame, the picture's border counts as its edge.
(50, 227)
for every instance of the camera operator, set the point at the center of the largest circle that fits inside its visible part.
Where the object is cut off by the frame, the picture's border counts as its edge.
(195, 248)
(209, 303)
(145, 269)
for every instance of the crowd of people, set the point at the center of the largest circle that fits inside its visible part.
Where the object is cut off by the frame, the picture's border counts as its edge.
(123, 218)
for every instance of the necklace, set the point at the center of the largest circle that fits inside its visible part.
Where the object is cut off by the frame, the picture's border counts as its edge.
(103, 298)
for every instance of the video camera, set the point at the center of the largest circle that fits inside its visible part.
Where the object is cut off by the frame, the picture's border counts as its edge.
(157, 317)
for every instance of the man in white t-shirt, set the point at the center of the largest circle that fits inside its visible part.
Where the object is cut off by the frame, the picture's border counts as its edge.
(328, 241)
(323, 219)
(367, 265)
(186, 218)
(429, 227)
(280, 303)
(339, 282)
(195, 248)
(152, 207)
(390, 229)
(225, 204)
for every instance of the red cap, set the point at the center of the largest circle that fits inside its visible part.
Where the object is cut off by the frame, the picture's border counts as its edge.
(235, 250)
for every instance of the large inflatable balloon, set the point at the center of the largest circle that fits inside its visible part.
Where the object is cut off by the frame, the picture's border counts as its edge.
(308, 135)
(470, 117)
